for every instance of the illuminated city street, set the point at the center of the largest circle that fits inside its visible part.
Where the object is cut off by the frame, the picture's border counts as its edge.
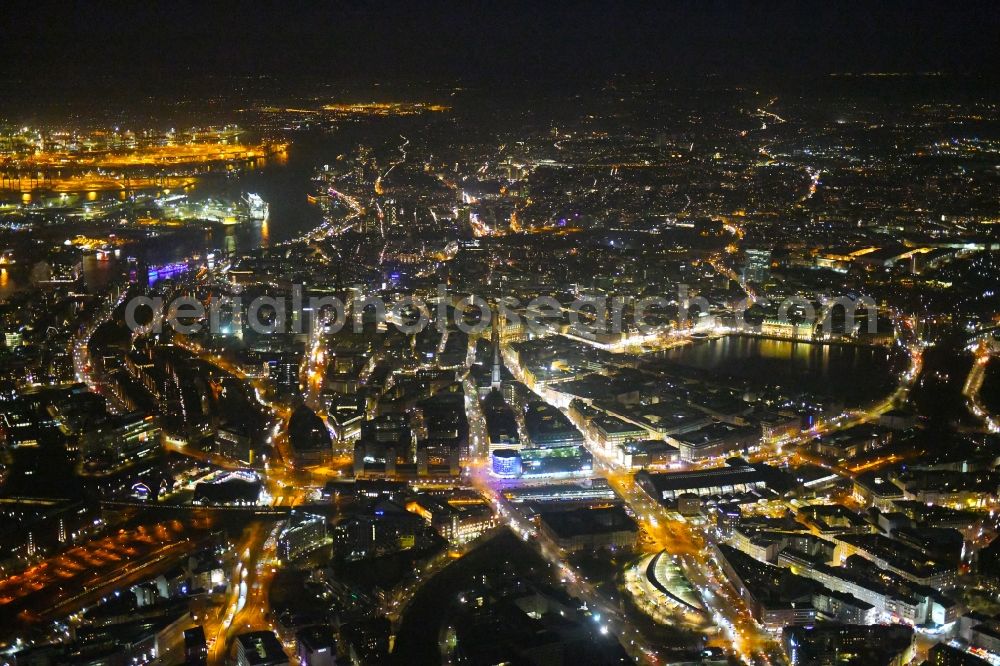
(654, 333)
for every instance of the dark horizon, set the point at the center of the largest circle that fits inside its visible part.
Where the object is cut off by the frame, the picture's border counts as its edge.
(480, 43)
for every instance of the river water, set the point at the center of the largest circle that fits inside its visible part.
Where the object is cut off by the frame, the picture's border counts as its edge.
(283, 181)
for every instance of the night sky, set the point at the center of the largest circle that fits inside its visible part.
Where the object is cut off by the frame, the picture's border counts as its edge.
(479, 41)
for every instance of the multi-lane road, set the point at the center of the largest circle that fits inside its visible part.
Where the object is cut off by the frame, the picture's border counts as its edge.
(246, 606)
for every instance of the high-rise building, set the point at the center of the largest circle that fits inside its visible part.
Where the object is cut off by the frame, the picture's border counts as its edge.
(260, 648)
(495, 375)
(316, 646)
(757, 267)
(943, 654)
(367, 641)
(304, 532)
(195, 646)
(891, 645)
(118, 441)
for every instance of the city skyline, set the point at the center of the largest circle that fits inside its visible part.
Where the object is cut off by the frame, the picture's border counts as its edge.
(396, 333)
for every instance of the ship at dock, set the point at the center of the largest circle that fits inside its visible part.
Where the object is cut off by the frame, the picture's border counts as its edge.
(248, 208)
(257, 208)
